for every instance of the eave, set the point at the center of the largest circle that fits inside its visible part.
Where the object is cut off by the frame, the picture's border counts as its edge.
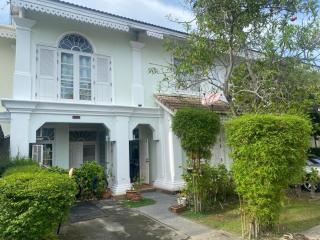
(7, 31)
(95, 17)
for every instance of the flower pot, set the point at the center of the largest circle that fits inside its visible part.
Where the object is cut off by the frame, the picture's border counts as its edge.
(133, 195)
(177, 208)
(107, 194)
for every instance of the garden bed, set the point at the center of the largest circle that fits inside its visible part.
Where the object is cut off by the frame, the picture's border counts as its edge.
(297, 215)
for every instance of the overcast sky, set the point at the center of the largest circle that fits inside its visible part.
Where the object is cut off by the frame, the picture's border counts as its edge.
(152, 11)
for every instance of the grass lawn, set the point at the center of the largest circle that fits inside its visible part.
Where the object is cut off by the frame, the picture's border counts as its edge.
(297, 215)
(135, 204)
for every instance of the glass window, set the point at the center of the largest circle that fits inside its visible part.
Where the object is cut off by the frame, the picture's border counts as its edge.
(47, 154)
(79, 136)
(76, 68)
(45, 134)
(75, 42)
(85, 78)
(67, 76)
(89, 152)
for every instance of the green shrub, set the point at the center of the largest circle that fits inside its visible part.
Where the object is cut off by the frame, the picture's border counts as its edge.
(56, 169)
(214, 184)
(269, 153)
(17, 165)
(91, 180)
(197, 129)
(32, 203)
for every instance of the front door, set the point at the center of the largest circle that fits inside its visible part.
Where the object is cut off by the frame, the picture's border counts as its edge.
(134, 160)
(144, 161)
(76, 154)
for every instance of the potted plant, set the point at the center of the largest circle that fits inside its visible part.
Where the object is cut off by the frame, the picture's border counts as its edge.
(134, 193)
(107, 194)
(182, 198)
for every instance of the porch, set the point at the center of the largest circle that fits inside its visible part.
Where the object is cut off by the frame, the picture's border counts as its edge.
(120, 131)
(69, 145)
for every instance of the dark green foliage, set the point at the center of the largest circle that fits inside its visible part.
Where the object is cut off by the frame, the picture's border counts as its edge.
(269, 153)
(91, 180)
(56, 169)
(214, 184)
(229, 36)
(32, 203)
(315, 151)
(4, 151)
(17, 165)
(197, 129)
(288, 87)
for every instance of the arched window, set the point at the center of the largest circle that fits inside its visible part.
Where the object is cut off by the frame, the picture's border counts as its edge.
(73, 71)
(76, 68)
(75, 42)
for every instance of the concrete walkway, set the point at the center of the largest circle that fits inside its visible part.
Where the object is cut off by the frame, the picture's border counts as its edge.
(313, 233)
(159, 211)
(107, 220)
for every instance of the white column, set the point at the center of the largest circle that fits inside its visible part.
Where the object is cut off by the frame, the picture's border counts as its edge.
(22, 84)
(19, 134)
(137, 81)
(62, 146)
(121, 164)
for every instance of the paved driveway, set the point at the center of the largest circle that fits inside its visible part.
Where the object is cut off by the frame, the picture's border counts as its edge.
(107, 220)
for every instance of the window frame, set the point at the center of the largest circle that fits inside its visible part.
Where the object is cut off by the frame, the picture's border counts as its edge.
(41, 140)
(76, 75)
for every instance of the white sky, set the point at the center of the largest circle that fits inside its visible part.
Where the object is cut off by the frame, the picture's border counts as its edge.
(151, 11)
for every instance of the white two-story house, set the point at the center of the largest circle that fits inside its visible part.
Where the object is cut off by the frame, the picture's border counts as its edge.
(75, 86)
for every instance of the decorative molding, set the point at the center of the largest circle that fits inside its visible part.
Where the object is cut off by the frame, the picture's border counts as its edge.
(4, 117)
(137, 45)
(85, 109)
(155, 34)
(69, 13)
(7, 32)
(23, 23)
(96, 17)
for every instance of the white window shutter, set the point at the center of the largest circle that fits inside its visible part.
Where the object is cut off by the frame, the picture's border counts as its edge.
(103, 85)
(46, 73)
(37, 153)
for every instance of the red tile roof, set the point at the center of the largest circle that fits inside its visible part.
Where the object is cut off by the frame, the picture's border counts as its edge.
(175, 102)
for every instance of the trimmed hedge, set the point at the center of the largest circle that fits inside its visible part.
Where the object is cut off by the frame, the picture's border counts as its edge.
(197, 129)
(269, 153)
(19, 165)
(91, 180)
(33, 201)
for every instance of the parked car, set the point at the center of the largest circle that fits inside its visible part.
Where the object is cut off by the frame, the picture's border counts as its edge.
(313, 162)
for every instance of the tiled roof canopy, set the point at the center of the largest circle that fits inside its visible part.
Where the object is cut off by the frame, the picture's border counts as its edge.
(175, 102)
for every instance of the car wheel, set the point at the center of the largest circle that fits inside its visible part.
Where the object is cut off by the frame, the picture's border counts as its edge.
(307, 185)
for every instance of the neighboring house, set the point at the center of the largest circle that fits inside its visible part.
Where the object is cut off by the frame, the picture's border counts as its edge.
(75, 87)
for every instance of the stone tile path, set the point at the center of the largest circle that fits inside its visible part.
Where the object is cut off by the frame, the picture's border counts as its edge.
(159, 211)
(107, 220)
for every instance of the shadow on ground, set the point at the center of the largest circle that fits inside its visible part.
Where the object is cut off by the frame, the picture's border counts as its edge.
(108, 220)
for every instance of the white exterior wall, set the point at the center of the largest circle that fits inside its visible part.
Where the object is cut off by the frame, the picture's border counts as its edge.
(7, 59)
(172, 159)
(133, 86)
(118, 45)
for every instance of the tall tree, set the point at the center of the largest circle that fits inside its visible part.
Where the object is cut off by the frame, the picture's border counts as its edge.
(243, 48)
